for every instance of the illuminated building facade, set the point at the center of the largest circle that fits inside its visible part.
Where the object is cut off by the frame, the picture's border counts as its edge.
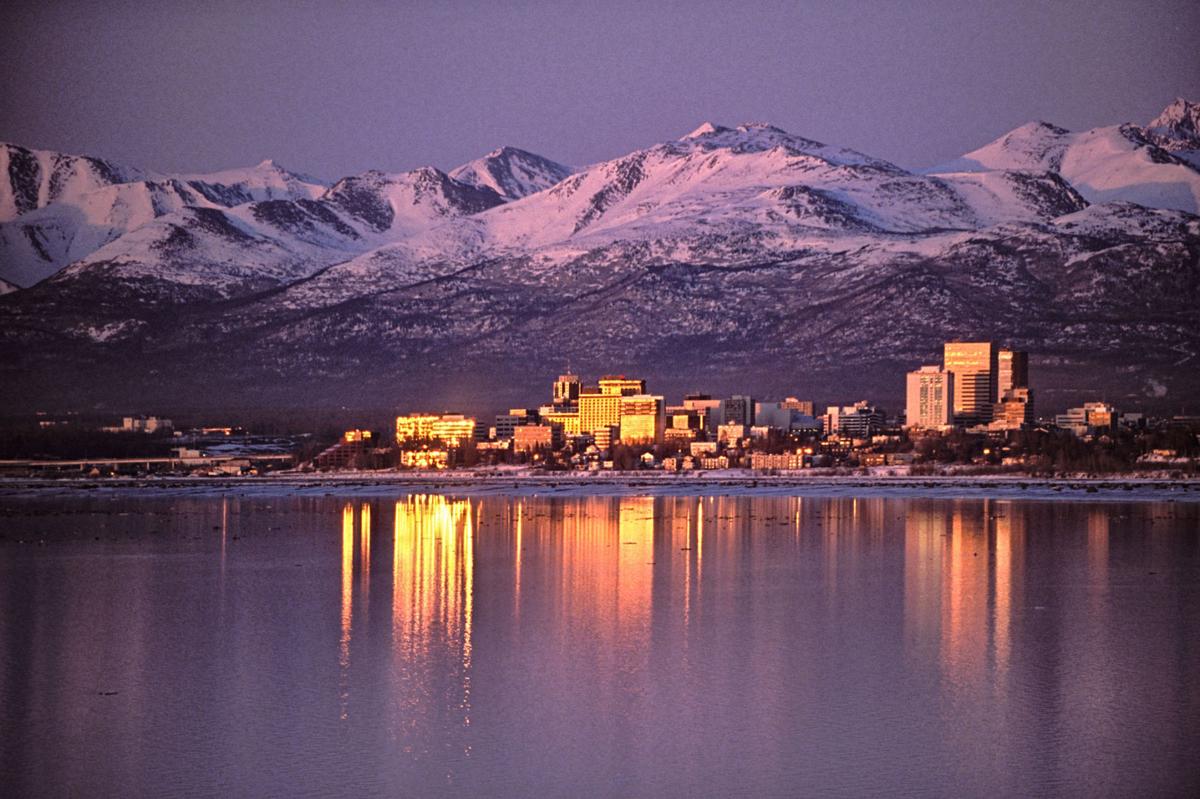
(532, 437)
(803, 406)
(452, 429)
(731, 432)
(425, 459)
(642, 419)
(1089, 419)
(145, 424)
(414, 427)
(598, 411)
(682, 434)
(565, 416)
(356, 449)
(455, 430)
(680, 417)
(929, 398)
(708, 407)
(605, 437)
(975, 367)
(506, 423)
(1012, 371)
(620, 385)
(1014, 411)
(566, 389)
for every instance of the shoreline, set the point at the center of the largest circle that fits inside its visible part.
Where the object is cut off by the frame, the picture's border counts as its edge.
(575, 484)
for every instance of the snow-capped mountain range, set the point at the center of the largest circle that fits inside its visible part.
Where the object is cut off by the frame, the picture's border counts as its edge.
(727, 250)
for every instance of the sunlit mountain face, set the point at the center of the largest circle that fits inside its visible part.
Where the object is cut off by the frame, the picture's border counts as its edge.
(736, 258)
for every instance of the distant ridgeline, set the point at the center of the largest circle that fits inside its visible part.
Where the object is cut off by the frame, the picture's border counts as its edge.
(739, 258)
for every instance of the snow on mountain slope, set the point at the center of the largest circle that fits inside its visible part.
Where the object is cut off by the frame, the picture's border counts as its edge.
(265, 181)
(732, 251)
(1119, 163)
(39, 243)
(56, 209)
(193, 254)
(719, 196)
(32, 179)
(1177, 130)
(512, 173)
(754, 182)
(1131, 221)
(409, 201)
(223, 252)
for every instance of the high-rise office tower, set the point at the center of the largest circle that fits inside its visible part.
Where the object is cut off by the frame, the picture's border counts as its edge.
(738, 408)
(804, 406)
(930, 398)
(598, 411)
(974, 366)
(621, 385)
(1012, 371)
(566, 389)
(642, 419)
(708, 408)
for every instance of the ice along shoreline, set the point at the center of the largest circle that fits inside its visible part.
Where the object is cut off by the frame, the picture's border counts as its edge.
(723, 483)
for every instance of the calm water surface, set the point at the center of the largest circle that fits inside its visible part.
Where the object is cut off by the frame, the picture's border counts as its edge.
(670, 646)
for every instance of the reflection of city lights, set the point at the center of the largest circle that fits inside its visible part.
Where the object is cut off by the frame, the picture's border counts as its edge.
(433, 584)
(960, 575)
(347, 599)
(365, 534)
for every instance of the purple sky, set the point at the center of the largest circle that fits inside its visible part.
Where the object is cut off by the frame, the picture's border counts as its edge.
(195, 85)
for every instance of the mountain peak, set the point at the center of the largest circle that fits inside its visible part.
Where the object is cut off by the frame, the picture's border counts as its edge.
(511, 172)
(748, 127)
(1036, 127)
(706, 129)
(1180, 111)
(1177, 127)
(507, 151)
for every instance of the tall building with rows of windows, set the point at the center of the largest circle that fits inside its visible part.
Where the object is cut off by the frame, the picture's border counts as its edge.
(414, 427)
(566, 389)
(974, 365)
(642, 419)
(598, 411)
(621, 385)
(1012, 371)
(452, 429)
(929, 398)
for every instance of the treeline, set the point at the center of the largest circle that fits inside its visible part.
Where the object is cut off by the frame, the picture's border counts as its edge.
(1056, 451)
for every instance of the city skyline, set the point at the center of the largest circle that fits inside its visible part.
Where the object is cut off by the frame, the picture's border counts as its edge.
(649, 398)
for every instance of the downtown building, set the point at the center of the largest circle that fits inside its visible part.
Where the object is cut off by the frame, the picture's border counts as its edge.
(566, 390)
(929, 398)
(642, 419)
(507, 423)
(991, 385)
(975, 367)
(1014, 398)
(452, 429)
(600, 408)
(860, 420)
(738, 409)
(1091, 418)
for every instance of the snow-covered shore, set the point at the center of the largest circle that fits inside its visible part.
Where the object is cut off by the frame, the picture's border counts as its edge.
(508, 482)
